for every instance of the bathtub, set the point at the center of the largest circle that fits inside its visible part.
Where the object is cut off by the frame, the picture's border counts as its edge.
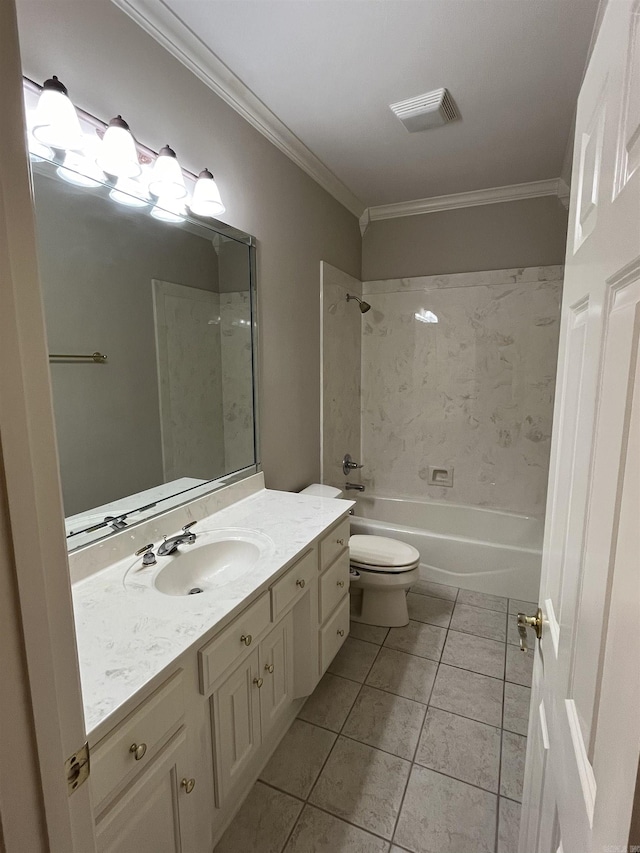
(485, 550)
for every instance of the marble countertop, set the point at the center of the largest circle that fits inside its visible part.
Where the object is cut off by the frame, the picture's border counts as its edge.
(126, 637)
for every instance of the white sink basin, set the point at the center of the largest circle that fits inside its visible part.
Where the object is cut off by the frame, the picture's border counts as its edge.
(216, 559)
(197, 569)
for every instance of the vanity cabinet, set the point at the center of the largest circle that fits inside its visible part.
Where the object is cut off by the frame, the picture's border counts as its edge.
(170, 776)
(141, 778)
(248, 703)
(155, 814)
(333, 595)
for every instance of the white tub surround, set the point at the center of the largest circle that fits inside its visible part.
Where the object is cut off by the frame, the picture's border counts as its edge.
(341, 343)
(127, 636)
(473, 390)
(471, 547)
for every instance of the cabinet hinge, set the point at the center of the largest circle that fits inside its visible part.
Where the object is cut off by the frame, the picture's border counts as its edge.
(77, 768)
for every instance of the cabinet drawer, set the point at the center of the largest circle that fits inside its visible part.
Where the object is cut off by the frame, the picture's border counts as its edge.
(333, 543)
(334, 584)
(294, 582)
(229, 644)
(122, 753)
(333, 635)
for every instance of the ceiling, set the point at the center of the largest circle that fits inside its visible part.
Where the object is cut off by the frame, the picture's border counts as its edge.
(328, 69)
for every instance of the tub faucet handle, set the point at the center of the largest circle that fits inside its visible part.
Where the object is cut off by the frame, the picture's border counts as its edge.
(348, 464)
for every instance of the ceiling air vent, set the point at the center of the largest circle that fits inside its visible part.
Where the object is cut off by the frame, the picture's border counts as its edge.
(424, 111)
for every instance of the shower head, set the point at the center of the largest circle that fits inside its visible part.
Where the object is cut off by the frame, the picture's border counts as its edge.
(364, 306)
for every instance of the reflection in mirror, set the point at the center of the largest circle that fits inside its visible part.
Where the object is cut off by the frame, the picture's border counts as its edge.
(171, 306)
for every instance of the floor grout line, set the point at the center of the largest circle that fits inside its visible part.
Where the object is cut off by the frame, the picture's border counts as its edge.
(324, 763)
(412, 763)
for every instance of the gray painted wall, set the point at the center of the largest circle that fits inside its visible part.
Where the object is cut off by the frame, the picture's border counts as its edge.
(524, 233)
(111, 66)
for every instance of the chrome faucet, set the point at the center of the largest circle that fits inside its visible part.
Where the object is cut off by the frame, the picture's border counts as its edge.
(348, 486)
(170, 546)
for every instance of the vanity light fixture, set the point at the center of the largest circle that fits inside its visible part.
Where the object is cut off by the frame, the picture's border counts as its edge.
(56, 122)
(169, 210)
(38, 151)
(206, 196)
(167, 180)
(118, 154)
(80, 170)
(130, 193)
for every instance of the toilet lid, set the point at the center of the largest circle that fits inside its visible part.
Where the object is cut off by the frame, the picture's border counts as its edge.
(381, 552)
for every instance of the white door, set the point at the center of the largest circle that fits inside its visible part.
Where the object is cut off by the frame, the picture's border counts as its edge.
(584, 730)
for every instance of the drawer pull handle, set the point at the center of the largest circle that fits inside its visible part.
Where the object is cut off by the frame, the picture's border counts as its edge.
(188, 785)
(301, 583)
(340, 584)
(340, 632)
(339, 541)
(269, 667)
(138, 750)
(258, 682)
(246, 639)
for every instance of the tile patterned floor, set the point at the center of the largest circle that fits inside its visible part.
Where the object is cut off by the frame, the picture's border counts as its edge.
(414, 740)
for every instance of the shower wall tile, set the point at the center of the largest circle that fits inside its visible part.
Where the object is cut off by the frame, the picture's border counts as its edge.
(237, 384)
(341, 353)
(474, 390)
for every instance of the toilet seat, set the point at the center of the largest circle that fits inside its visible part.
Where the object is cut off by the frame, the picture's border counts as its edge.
(381, 554)
(387, 570)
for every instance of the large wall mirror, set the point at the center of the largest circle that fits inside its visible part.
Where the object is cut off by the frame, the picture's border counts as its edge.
(165, 409)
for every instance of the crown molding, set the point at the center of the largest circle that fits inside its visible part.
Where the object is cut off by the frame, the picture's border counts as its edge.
(155, 18)
(493, 195)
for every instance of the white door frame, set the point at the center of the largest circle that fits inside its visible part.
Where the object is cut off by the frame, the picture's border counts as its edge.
(35, 516)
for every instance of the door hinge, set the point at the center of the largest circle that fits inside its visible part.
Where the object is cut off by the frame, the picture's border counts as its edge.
(77, 768)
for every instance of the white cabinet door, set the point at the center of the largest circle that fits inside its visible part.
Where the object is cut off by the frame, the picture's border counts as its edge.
(154, 815)
(236, 723)
(276, 671)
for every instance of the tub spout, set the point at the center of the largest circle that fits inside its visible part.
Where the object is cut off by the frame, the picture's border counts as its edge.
(355, 486)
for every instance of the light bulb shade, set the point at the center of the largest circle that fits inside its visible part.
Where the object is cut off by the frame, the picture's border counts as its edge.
(206, 196)
(38, 151)
(80, 170)
(118, 155)
(55, 121)
(169, 210)
(166, 179)
(129, 193)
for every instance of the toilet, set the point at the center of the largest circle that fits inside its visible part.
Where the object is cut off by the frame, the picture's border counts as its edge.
(382, 571)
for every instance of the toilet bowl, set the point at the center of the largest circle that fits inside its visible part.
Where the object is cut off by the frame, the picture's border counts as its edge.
(382, 571)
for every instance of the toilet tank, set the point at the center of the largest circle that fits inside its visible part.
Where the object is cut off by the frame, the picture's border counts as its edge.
(322, 491)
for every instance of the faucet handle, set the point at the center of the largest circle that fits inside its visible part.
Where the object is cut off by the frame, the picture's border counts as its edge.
(188, 526)
(143, 549)
(348, 464)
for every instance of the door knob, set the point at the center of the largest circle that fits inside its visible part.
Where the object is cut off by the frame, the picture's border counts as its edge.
(525, 622)
(301, 583)
(258, 682)
(188, 785)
